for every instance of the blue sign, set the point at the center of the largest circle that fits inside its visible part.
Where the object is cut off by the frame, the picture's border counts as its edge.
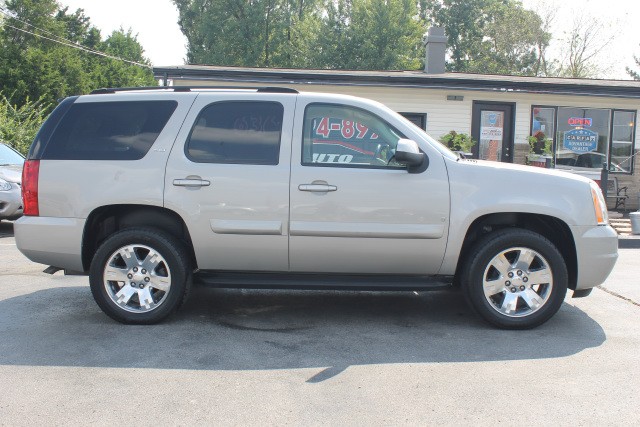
(493, 119)
(581, 140)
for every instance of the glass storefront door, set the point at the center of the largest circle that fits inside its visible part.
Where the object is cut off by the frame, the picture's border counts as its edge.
(492, 128)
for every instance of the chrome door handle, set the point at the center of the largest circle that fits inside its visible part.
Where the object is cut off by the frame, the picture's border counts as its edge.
(190, 182)
(317, 188)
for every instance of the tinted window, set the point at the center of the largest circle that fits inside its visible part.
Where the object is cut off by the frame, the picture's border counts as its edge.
(109, 130)
(237, 132)
(336, 135)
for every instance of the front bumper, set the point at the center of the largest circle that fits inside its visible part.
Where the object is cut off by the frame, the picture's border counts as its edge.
(51, 241)
(11, 203)
(597, 252)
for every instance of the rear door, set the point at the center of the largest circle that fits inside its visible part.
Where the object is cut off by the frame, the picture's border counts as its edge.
(228, 177)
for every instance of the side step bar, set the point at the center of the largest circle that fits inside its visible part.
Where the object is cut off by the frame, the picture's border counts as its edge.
(248, 280)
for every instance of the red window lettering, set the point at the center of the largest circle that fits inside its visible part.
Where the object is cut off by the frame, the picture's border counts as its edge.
(362, 130)
(347, 129)
(323, 127)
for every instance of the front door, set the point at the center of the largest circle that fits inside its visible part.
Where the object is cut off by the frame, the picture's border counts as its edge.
(492, 128)
(353, 209)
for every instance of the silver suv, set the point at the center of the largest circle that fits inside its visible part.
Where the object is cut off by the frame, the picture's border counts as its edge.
(148, 190)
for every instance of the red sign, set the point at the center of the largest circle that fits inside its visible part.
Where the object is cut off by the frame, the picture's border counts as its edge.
(580, 121)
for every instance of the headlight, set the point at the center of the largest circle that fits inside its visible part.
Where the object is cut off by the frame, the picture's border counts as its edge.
(4, 185)
(599, 205)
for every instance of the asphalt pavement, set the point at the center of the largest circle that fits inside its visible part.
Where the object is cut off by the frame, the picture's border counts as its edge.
(247, 357)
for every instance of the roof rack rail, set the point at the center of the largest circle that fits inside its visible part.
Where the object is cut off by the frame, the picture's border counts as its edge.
(262, 89)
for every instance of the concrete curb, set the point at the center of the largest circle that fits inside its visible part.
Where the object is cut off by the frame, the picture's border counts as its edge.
(629, 242)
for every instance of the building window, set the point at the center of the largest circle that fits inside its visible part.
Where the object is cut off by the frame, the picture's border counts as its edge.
(543, 124)
(586, 138)
(583, 138)
(417, 119)
(622, 139)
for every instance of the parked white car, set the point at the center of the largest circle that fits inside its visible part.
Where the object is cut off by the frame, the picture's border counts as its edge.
(148, 190)
(10, 178)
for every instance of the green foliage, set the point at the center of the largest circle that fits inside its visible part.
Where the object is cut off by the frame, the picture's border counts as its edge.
(489, 36)
(258, 33)
(540, 144)
(458, 141)
(346, 34)
(20, 123)
(33, 67)
(370, 35)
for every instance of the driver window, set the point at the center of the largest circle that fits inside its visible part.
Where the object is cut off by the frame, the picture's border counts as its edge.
(338, 135)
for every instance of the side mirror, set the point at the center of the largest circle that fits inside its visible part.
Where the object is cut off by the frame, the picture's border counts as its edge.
(408, 153)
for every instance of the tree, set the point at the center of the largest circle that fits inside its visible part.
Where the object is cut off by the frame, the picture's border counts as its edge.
(20, 123)
(583, 42)
(355, 34)
(45, 54)
(632, 73)
(370, 35)
(489, 36)
(258, 33)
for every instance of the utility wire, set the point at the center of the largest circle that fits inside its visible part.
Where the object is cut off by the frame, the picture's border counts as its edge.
(11, 15)
(66, 42)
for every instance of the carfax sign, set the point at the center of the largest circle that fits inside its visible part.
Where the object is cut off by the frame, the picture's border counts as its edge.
(580, 140)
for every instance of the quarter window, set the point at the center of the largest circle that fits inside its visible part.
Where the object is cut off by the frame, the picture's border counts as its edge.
(237, 132)
(109, 130)
(337, 135)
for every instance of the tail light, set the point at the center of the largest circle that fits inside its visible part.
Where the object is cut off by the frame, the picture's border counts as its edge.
(30, 173)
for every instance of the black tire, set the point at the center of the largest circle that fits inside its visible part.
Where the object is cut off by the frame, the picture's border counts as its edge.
(508, 242)
(174, 268)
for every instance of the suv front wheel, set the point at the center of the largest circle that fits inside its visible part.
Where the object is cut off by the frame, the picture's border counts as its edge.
(140, 275)
(515, 279)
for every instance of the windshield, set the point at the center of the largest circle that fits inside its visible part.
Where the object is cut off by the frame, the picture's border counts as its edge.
(8, 156)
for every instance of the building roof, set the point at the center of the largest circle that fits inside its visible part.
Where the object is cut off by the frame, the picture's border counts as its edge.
(416, 79)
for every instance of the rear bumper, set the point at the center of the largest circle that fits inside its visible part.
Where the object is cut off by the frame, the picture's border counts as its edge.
(51, 241)
(597, 251)
(11, 203)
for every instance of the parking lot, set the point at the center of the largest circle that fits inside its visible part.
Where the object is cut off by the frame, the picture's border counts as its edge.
(312, 358)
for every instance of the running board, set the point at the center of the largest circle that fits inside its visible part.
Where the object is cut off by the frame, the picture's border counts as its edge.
(269, 280)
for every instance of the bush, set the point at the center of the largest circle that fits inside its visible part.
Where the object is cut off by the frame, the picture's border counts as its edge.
(540, 144)
(458, 141)
(19, 124)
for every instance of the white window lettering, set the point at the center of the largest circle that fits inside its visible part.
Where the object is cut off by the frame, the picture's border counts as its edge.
(318, 157)
(345, 158)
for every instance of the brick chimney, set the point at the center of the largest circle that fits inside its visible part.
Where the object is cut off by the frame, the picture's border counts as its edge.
(435, 43)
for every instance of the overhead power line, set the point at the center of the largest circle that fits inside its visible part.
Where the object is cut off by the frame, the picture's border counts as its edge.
(65, 42)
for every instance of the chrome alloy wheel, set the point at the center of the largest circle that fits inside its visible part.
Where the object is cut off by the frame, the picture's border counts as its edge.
(517, 282)
(137, 278)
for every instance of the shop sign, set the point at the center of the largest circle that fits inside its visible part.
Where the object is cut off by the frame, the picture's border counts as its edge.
(580, 121)
(580, 140)
(491, 133)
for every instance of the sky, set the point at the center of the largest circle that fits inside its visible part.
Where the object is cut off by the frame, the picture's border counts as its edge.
(155, 23)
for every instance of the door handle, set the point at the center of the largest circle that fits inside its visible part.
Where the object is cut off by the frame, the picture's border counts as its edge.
(317, 188)
(191, 182)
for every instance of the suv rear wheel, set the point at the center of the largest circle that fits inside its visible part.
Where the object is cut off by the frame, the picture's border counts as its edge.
(516, 279)
(140, 275)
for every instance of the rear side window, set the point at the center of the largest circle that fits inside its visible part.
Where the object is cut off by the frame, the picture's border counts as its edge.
(238, 132)
(109, 130)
